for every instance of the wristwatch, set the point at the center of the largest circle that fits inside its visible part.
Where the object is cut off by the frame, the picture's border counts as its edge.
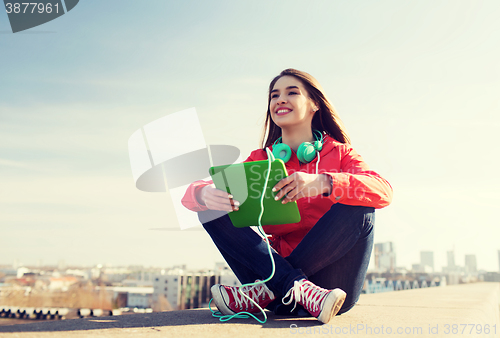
(326, 194)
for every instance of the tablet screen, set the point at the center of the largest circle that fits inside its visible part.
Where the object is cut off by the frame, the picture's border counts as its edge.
(245, 181)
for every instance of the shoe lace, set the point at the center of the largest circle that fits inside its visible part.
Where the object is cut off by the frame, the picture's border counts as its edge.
(305, 293)
(254, 292)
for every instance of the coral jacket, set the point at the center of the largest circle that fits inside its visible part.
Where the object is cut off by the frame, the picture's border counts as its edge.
(353, 184)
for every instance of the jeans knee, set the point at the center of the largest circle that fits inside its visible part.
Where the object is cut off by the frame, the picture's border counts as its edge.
(361, 215)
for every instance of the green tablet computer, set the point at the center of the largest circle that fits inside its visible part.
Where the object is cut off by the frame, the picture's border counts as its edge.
(245, 181)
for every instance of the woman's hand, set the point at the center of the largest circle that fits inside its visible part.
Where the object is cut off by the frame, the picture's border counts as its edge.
(216, 199)
(299, 185)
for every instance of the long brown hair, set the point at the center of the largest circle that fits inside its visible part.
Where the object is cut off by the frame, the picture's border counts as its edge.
(325, 119)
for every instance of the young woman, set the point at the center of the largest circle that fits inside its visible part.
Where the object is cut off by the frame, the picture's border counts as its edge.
(321, 261)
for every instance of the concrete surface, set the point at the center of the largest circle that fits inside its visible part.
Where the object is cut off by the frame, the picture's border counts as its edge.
(430, 312)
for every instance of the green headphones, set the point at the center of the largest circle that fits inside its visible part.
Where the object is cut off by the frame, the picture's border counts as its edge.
(305, 153)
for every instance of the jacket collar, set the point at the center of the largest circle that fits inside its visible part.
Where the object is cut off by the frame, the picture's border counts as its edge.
(329, 143)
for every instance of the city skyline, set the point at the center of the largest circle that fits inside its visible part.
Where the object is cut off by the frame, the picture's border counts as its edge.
(416, 85)
(386, 261)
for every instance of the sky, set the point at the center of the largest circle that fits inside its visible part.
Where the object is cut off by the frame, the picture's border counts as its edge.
(415, 82)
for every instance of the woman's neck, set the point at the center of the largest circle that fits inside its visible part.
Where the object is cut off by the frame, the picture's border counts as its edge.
(293, 137)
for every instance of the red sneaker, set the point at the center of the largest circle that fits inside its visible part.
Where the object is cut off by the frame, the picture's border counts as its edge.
(320, 303)
(229, 301)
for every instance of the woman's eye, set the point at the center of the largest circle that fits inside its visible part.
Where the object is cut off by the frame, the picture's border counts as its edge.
(292, 93)
(274, 96)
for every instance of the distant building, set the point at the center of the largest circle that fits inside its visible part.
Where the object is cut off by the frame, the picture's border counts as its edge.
(452, 268)
(144, 276)
(498, 260)
(451, 260)
(132, 297)
(166, 290)
(140, 297)
(195, 289)
(470, 264)
(427, 259)
(179, 289)
(114, 275)
(385, 257)
(137, 283)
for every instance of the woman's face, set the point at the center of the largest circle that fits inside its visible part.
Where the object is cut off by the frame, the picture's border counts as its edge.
(290, 105)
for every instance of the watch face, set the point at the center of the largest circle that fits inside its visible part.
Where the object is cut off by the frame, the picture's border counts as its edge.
(330, 186)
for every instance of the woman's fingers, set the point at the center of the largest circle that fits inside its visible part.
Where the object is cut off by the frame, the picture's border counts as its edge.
(297, 196)
(286, 187)
(225, 203)
(283, 182)
(288, 192)
(298, 185)
(214, 205)
(291, 195)
(216, 199)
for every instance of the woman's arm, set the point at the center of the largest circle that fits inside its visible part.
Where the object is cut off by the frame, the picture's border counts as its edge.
(191, 199)
(356, 184)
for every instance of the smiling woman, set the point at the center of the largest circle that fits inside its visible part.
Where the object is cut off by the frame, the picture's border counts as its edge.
(321, 261)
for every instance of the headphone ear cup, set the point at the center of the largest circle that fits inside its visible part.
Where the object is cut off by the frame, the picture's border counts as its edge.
(306, 152)
(282, 151)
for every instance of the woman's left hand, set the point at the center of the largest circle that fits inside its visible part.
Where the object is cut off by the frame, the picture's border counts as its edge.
(299, 185)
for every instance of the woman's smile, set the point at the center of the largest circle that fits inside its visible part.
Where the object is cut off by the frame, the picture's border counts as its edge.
(283, 111)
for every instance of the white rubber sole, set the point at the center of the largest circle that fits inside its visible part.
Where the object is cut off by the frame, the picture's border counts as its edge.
(219, 300)
(332, 305)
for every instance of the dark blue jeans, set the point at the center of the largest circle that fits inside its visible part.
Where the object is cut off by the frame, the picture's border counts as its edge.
(334, 254)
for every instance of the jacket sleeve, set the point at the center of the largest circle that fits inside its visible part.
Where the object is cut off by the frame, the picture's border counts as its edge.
(190, 201)
(355, 184)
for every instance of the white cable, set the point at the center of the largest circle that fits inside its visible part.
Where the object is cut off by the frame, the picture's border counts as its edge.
(317, 163)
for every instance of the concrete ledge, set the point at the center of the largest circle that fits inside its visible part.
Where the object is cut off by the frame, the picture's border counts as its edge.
(430, 312)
